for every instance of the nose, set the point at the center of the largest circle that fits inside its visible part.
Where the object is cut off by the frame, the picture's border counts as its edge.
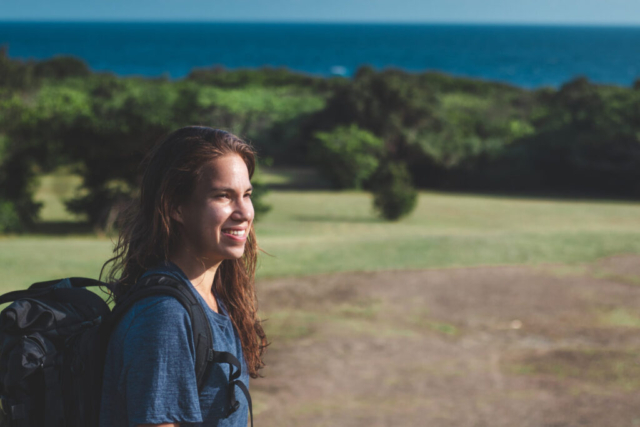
(243, 210)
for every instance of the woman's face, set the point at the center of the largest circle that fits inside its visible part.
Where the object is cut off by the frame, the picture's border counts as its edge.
(218, 216)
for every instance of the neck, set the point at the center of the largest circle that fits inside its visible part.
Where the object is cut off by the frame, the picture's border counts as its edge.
(199, 271)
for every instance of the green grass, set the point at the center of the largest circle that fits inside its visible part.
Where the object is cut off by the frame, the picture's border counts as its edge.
(24, 260)
(322, 231)
(618, 317)
(292, 177)
(53, 189)
(317, 232)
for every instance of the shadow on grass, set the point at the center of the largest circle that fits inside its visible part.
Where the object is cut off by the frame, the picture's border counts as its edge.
(327, 218)
(300, 186)
(294, 178)
(61, 228)
(569, 196)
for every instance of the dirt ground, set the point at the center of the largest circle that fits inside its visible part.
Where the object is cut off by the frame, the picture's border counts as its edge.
(549, 346)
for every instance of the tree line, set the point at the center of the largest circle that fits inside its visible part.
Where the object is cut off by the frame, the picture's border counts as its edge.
(386, 131)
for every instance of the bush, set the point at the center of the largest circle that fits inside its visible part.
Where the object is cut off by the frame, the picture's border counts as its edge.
(14, 75)
(259, 206)
(347, 156)
(60, 67)
(9, 218)
(394, 195)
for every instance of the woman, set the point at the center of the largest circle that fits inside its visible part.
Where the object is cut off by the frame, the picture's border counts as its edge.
(194, 219)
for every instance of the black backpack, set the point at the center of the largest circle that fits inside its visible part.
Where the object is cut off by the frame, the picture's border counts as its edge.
(53, 342)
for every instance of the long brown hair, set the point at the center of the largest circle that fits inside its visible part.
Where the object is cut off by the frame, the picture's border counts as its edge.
(147, 233)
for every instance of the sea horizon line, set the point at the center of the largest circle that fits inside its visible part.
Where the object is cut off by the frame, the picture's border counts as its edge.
(326, 22)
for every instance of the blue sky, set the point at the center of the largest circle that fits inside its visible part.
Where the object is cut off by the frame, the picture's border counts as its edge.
(607, 12)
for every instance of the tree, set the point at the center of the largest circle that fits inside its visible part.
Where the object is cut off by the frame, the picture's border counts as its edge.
(260, 207)
(347, 155)
(393, 194)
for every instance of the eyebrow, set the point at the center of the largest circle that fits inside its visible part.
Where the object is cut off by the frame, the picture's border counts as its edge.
(228, 189)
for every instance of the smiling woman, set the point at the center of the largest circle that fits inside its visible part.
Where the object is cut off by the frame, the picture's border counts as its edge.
(193, 222)
(219, 212)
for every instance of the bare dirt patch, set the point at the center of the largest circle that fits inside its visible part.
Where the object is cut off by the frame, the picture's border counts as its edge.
(483, 346)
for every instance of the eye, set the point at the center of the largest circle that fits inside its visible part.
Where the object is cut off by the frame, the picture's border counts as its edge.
(248, 195)
(222, 196)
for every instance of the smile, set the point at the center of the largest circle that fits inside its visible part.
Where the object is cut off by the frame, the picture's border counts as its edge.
(238, 235)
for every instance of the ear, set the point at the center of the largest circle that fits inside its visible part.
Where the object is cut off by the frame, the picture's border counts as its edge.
(176, 214)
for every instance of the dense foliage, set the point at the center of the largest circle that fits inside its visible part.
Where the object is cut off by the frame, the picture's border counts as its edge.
(348, 155)
(393, 192)
(451, 133)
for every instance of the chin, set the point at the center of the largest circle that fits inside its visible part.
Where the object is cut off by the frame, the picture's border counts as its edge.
(234, 255)
(226, 255)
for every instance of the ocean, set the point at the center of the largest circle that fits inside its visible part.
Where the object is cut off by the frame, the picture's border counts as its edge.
(527, 56)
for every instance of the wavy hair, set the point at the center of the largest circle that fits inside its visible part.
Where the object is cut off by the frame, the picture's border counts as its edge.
(147, 233)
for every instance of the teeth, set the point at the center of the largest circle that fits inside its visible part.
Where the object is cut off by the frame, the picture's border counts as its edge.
(235, 232)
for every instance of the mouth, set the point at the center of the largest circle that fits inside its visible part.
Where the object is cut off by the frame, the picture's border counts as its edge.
(235, 233)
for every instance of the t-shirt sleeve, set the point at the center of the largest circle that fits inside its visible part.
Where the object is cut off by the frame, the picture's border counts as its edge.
(158, 377)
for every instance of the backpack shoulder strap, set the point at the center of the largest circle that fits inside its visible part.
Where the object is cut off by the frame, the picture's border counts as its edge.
(44, 288)
(168, 285)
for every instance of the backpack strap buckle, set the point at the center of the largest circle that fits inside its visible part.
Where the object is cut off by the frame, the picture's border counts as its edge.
(234, 380)
(232, 407)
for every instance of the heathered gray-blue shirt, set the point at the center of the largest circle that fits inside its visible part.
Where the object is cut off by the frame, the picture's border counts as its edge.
(149, 375)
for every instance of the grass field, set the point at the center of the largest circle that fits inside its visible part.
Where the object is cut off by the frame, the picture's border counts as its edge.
(323, 231)
(500, 346)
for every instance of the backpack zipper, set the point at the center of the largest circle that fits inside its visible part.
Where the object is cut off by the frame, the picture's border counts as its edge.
(40, 345)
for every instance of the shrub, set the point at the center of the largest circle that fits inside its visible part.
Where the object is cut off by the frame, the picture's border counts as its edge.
(394, 195)
(347, 155)
(60, 67)
(259, 206)
(9, 218)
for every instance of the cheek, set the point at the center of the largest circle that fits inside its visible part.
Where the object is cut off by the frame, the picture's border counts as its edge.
(215, 217)
(251, 212)
(209, 220)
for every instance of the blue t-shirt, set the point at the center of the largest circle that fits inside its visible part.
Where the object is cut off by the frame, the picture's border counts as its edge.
(149, 373)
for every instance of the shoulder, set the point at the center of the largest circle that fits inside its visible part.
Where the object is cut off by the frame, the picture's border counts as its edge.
(153, 315)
